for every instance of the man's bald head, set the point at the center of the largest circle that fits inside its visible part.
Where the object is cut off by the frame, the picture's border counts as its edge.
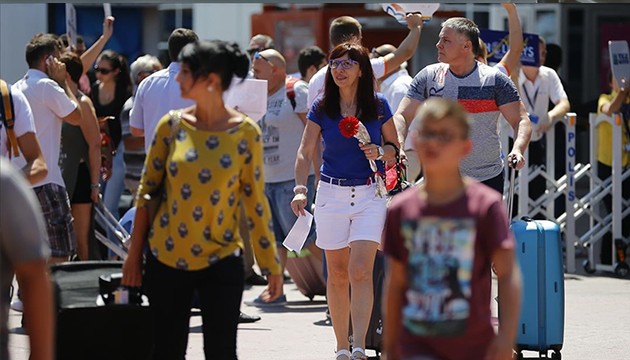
(270, 65)
(275, 58)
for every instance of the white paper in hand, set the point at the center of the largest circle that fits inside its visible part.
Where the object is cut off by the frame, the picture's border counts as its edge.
(248, 97)
(299, 232)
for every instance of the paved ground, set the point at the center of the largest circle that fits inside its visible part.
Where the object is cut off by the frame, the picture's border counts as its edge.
(597, 325)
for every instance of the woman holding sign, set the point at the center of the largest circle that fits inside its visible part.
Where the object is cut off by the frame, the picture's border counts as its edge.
(359, 135)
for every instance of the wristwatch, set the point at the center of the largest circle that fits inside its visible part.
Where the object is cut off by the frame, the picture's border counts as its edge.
(381, 152)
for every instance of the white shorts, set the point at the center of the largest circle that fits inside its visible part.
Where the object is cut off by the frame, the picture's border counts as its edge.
(348, 213)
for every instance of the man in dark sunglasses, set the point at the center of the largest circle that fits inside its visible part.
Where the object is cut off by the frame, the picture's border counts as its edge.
(282, 128)
(348, 29)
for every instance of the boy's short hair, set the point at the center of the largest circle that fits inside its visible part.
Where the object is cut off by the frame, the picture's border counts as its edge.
(436, 108)
(343, 29)
(74, 66)
(310, 56)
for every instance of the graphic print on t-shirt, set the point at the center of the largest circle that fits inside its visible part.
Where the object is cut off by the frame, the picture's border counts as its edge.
(439, 271)
(271, 133)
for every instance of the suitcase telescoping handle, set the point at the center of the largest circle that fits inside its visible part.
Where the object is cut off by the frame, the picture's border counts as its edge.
(510, 196)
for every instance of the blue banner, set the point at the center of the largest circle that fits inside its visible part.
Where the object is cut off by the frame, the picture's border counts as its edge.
(497, 43)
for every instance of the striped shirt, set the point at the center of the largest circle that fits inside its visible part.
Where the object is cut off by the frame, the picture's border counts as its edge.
(480, 92)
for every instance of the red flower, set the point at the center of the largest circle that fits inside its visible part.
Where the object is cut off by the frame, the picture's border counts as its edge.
(391, 177)
(349, 126)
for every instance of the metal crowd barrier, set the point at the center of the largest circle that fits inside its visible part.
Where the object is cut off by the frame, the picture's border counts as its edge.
(577, 206)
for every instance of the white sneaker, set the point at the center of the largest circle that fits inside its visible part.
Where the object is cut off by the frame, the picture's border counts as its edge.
(17, 305)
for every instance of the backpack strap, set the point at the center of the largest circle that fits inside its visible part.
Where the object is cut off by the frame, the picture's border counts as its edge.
(289, 86)
(7, 113)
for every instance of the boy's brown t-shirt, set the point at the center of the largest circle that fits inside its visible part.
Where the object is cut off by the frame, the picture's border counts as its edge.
(448, 251)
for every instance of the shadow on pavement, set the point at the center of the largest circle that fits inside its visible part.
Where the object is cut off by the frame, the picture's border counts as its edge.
(296, 307)
(198, 330)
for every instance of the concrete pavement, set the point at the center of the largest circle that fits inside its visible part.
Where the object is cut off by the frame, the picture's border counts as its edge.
(597, 325)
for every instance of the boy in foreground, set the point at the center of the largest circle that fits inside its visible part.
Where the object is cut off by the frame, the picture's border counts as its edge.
(441, 239)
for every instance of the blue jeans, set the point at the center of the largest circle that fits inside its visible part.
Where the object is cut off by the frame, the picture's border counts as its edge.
(116, 184)
(280, 195)
(114, 187)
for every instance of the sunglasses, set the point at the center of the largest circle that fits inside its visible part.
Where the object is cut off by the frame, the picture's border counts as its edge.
(342, 64)
(442, 138)
(258, 55)
(102, 70)
(255, 50)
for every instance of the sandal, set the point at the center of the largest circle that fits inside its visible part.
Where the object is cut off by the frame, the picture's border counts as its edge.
(343, 354)
(358, 354)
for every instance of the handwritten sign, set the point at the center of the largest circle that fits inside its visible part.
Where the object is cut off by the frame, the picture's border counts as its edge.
(498, 44)
(620, 62)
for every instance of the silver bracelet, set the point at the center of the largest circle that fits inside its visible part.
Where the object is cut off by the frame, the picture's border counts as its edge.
(300, 187)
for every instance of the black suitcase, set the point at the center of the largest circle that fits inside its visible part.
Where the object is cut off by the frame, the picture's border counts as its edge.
(374, 336)
(86, 330)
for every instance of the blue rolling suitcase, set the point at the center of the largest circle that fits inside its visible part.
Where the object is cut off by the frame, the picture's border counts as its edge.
(539, 253)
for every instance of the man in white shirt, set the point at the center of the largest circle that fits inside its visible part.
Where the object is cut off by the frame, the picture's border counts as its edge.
(52, 103)
(538, 86)
(28, 147)
(394, 87)
(160, 93)
(348, 29)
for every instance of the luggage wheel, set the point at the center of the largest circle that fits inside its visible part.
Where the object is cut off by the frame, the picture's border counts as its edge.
(622, 269)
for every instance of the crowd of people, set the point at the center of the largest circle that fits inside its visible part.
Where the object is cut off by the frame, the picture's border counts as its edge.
(229, 188)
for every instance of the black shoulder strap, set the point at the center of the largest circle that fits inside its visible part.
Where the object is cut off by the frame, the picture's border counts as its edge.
(290, 84)
(7, 112)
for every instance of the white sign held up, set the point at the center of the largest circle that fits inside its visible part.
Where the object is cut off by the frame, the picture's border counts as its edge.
(71, 24)
(248, 97)
(399, 11)
(620, 62)
(107, 9)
